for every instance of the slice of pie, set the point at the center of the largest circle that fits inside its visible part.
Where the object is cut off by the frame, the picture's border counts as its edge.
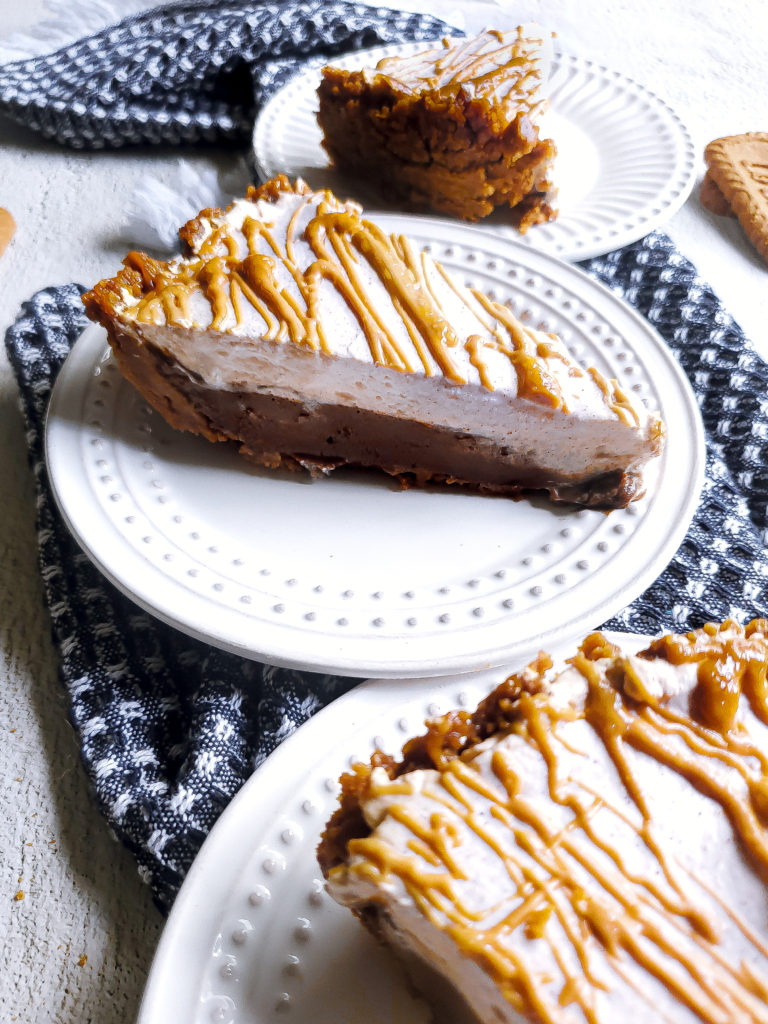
(311, 338)
(454, 129)
(589, 845)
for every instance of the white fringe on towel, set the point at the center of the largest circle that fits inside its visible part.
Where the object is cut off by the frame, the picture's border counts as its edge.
(158, 208)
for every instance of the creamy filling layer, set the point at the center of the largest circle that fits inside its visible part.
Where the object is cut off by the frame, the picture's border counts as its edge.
(229, 369)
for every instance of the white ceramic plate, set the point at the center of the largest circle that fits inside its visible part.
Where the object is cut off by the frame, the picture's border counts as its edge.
(350, 574)
(625, 161)
(252, 937)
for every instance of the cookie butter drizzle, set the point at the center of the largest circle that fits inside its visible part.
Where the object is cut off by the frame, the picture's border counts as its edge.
(341, 243)
(492, 67)
(629, 917)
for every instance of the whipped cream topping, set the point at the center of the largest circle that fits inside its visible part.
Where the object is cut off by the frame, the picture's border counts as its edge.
(306, 268)
(602, 858)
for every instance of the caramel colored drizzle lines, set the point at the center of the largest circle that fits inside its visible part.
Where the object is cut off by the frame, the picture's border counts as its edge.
(546, 888)
(710, 647)
(740, 923)
(627, 934)
(543, 734)
(419, 305)
(677, 906)
(615, 398)
(215, 283)
(623, 932)
(336, 237)
(434, 895)
(640, 991)
(745, 985)
(731, 751)
(709, 986)
(613, 935)
(462, 63)
(335, 226)
(644, 731)
(642, 734)
(258, 271)
(488, 944)
(603, 714)
(252, 230)
(238, 286)
(342, 242)
(514, 342)
(169, 300)
(276, 328)
(415, 261)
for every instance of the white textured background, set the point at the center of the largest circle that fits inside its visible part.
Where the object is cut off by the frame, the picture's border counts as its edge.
(77, 947)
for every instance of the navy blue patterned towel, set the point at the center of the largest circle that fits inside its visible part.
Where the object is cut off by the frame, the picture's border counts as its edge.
(191, 71)
(170, 728)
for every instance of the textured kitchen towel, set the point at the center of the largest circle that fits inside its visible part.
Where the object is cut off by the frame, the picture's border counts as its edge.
(170, 729)
(191, 71)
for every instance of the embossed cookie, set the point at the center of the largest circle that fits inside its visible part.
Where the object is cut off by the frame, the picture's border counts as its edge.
(738, 164)
(7, 229)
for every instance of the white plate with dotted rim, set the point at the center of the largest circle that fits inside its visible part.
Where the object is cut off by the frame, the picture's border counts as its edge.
(626, 162)
(253, 938)
(349, 574)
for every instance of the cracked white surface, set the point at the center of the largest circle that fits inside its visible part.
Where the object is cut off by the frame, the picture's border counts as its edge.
(82, 895)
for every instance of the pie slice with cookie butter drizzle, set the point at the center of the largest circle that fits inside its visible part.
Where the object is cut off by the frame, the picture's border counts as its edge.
(588, 845)
(303, 332)
(453, 128)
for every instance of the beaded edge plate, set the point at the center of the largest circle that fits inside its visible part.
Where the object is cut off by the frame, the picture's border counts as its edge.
(253, 938)
(350, 574)
(626, 162)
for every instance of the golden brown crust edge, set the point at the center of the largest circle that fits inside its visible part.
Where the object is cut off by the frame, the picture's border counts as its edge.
(104, 301)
